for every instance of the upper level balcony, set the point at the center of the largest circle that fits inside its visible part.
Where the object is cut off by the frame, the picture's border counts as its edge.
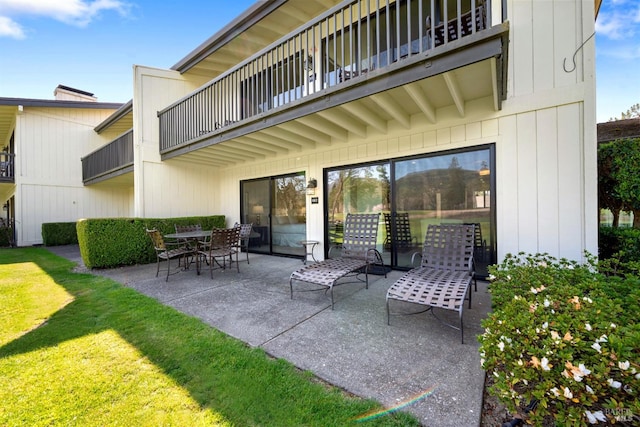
(110, 161)
(357, 66)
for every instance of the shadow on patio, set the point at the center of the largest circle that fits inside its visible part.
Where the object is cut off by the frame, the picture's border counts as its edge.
(351, 347)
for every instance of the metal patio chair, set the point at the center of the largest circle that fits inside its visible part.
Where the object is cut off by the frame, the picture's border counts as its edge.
(444, 276)
(357, 255)
(167, 251)
(188, 244)
(222, 244)
(246, 233)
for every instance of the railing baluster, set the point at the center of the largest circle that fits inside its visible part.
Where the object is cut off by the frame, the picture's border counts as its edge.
(290, 68)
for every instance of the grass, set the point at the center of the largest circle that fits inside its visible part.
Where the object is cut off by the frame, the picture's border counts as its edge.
(78, 349)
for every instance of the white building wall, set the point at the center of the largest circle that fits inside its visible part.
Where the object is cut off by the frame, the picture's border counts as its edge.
(49, 145)
(173, 188)
(545, 138)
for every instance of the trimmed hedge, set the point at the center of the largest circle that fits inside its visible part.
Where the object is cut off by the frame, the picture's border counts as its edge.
(5, 239)
(114, 242)
(619, 250)
(59, 233)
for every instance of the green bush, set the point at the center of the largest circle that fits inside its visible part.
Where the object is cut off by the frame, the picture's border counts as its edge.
(619, 250)
(6, 234)
(59, 233)
(564, 336)
(114, 242)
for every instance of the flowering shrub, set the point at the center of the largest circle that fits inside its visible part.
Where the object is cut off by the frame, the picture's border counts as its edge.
(558, 336)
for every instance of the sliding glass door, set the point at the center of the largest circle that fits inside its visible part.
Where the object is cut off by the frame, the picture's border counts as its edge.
(410, 194)
(356, 189)
(276, 206)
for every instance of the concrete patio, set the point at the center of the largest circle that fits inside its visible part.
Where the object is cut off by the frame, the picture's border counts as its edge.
(351, 347)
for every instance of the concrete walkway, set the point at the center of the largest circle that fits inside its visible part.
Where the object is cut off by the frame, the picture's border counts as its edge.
(351, 347)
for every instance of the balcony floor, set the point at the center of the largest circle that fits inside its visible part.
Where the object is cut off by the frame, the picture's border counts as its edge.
(351, 347)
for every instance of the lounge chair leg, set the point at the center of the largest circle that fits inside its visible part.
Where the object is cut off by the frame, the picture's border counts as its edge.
(388, 314)
(331, 297)
(291, 288)
(461, 329)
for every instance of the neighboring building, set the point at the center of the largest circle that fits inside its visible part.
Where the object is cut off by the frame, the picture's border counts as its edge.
(618, 129)
(448, 110)
(42, 142)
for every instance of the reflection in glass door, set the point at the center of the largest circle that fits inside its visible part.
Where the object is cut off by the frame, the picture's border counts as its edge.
(255, 210)
(410, 194)
(447, 188)
(276, 206)
(357, 189)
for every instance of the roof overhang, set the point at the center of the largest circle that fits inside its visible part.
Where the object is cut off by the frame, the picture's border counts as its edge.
(120, 120)
(11, 107)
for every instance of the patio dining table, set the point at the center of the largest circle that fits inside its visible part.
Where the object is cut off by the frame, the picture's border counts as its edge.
(193, 236)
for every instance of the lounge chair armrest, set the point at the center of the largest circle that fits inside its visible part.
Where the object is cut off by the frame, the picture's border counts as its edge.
(333, 247)
(375, 255)
(413, 257)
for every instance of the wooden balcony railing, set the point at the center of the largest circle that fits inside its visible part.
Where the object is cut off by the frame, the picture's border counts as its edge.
(113, 157)
(7, 172)
(345, 43)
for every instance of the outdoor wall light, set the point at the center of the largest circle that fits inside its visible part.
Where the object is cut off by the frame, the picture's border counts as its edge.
(311, 186)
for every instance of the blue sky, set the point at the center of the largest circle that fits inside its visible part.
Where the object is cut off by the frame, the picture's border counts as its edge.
(92, 45)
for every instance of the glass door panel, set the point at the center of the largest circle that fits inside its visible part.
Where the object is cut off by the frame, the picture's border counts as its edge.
(276, 206)
(447, 188)
(357, 189)
(288, 214)
(255, 210)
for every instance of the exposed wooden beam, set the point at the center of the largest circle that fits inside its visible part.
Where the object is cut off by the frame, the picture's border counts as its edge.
(295, 14)
(262, 144)
(393, 108)
(306, 131)
(256, 148)
(209, 153)
(345, 120)
(494, 85)
(420, 98)
(235, 149)
(454, 90)
(318, 122)
(272, 26)
(200, 160)
(363, 113)
(289, 136)
(261, 136)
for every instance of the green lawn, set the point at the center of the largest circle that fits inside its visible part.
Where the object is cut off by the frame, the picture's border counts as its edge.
(78, 349)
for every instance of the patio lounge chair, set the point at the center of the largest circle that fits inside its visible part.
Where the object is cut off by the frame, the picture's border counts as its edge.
(358, 254)
(403, 238)
(444, 276)
(167, 251)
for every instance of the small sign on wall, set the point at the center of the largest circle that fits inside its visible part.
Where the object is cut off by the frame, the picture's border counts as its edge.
(314, 200)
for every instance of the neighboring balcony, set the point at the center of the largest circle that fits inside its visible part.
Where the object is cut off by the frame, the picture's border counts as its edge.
(7, 173)
(111, 162)
(352, 52)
